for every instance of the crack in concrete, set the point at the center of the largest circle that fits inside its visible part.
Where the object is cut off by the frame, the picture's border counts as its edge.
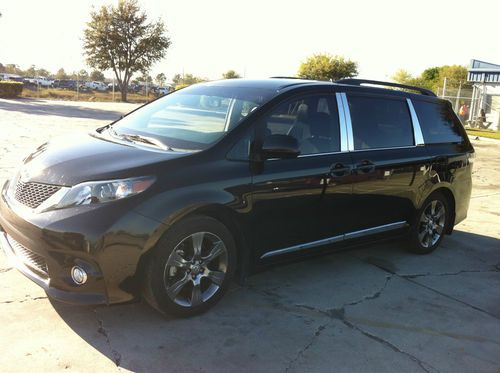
(317, 333)
(117, 357)
(340, 315)
(417, 275)
(409, 279)
(371, 297)
(27, 299)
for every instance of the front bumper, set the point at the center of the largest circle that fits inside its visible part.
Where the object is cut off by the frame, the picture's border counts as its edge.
(106, 240)
(43, 280)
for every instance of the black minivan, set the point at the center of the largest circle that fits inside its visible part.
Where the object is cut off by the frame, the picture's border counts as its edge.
(212, 181)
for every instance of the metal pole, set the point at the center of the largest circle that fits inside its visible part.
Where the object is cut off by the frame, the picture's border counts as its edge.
(457, 102)
(113, 89)
(444, 87)
(472, 103)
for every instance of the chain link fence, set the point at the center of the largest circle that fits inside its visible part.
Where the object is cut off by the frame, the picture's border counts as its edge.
(477, 107)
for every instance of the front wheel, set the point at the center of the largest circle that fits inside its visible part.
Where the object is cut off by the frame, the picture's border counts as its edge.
(430, 225)
(191, 267)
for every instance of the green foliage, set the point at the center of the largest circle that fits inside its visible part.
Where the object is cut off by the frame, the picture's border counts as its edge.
(231, 74)
(10, 88)
(186, 80)
(161, 79)
(83, 75)
(433, 77)
(61, 74)
(97, 76)
(120, 38)
(327, 67)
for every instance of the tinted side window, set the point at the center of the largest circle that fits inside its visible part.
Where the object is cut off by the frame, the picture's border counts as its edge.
(379, 122)
(312, 120)
(438, 123)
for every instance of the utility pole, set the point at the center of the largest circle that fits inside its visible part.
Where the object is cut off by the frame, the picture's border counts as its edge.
(444, 87)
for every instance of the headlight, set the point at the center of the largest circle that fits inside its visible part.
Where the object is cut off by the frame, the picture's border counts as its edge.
(103, 191)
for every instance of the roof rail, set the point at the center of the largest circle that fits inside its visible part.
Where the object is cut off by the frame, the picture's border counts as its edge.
(360, 82)
(285, 77)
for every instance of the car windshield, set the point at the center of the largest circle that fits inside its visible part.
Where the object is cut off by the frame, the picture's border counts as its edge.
(195, 117)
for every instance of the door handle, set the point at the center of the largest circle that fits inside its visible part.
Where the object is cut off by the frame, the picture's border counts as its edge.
(339, 169)
(365, 166)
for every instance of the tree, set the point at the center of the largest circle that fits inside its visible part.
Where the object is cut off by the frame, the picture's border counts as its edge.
(327, 67)
(454, 74)
(433, 77)
(31, 72)
(83, 75)
(61, 74)
(97, 76)
(120, 38)
(187, 79)
(161, 79)
(231, 74)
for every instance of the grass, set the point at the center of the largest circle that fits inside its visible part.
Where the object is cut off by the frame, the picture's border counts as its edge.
(484, 133)
(69, 95)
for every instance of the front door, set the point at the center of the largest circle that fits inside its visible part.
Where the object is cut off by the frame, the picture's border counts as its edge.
(299, 203)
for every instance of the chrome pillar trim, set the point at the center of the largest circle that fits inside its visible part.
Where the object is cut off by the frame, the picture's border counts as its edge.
(374, 230)
(348, 122)
(417, 131)
(342, 123)
(303, 246)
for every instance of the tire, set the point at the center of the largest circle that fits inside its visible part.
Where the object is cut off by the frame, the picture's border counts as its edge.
(184, 281)
(431, 224)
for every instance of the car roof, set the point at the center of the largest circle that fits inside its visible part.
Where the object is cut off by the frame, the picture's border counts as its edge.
(270, 83)
(284, 83)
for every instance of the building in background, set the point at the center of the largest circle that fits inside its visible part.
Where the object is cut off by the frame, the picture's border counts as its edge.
(485, 78)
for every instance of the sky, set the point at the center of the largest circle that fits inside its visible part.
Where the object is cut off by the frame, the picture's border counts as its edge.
(263, 38)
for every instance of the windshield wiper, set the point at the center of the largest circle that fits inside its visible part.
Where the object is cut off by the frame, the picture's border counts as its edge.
(144, 140)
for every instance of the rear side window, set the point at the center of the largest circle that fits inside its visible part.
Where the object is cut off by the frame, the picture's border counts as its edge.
(380, 122)
(438, 123)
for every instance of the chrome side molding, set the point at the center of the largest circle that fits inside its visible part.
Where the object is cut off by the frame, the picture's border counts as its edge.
(342, 237)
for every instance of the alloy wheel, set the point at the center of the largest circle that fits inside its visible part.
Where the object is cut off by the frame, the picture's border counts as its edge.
(196, 269)
(432, 223)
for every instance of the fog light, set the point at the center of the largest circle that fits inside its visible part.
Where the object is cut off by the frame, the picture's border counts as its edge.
(78, 275)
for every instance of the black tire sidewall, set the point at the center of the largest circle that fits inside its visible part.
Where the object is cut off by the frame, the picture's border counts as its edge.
(162, 251)
(415, 245)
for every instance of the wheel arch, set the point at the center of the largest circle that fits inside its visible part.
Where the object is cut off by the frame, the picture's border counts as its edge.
(224, 215)
(447, 192)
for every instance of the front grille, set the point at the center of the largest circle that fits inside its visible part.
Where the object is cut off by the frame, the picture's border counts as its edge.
(33, 194)
(28, 257)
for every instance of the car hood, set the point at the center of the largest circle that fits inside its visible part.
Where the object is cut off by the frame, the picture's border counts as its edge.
(71, 160)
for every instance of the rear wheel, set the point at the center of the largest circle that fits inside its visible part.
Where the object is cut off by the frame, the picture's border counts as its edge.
(191, 267)
(431, 223)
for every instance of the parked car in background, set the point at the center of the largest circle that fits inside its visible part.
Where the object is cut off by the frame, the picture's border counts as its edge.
(13, 77)
(96, 86)
(213, 180)
(40, 81)
(163, 90)
(65, 84)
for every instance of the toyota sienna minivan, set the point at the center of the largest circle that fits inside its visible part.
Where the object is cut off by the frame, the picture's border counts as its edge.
(212, 181)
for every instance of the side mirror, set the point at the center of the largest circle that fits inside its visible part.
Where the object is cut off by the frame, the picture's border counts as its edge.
(280, 146)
